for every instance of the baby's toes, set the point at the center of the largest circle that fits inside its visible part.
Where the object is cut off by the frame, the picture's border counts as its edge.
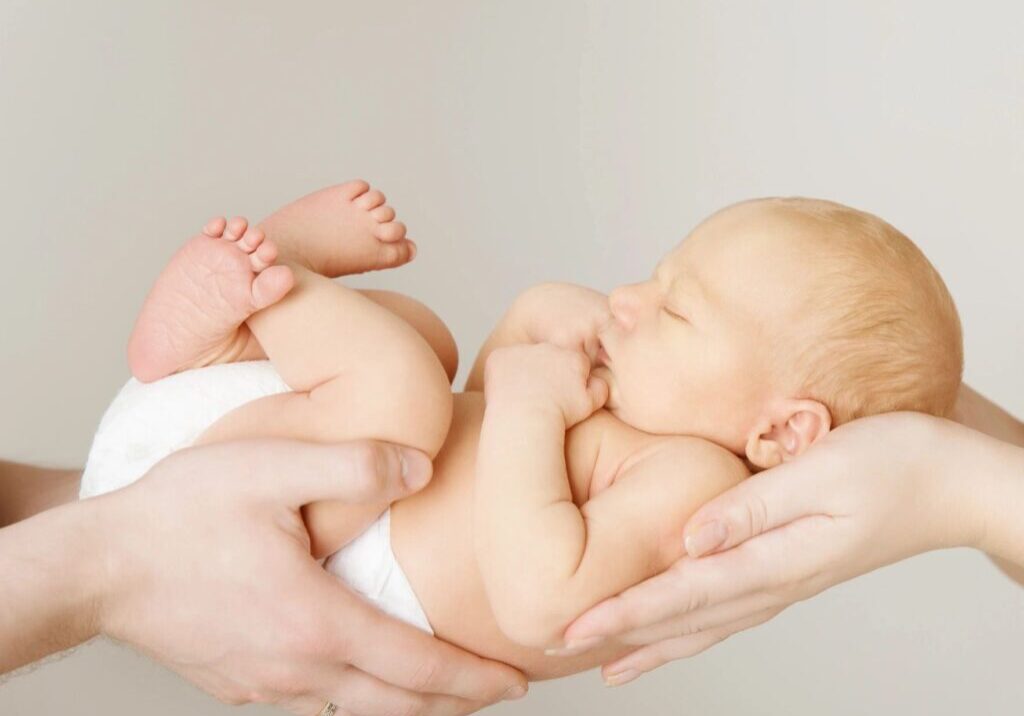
(251, 239)
(383, 214)
(391, 231)
(397, 253)
(264, 256)
(235, 228)
(370, 200)
(271, 286)
(351, 189)
(215, 227)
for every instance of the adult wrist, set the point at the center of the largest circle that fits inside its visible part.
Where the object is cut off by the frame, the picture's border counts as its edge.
(944, 460)
(112, 540)
(982, 481)
(997, 492)
(53, 603)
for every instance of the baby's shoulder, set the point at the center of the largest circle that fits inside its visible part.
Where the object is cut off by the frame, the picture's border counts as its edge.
(608, 449)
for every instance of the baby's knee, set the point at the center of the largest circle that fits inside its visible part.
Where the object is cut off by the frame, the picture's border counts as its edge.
(422, 389)
(404, 397)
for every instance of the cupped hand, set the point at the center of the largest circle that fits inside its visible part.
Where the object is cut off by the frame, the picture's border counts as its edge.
(866, 495)
(543, 375)
(209, 572)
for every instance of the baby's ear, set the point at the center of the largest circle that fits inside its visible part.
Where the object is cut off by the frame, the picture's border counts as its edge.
(786, 431)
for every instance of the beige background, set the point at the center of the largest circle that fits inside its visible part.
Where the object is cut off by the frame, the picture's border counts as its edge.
(521, 142)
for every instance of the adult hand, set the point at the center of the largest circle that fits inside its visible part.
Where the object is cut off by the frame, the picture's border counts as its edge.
(209, 572)
(869, 494)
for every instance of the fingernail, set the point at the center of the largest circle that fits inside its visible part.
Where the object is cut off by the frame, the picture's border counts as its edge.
(575, 646)
(513, 693)
(416, 468)
(621, 677)
(709, 537)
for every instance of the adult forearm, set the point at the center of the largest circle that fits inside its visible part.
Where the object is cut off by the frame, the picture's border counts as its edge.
(979, 413)
(991, 473)
(26, 490)
(50, 573)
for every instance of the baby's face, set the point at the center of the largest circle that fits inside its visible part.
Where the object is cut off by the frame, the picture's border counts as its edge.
(688, 351)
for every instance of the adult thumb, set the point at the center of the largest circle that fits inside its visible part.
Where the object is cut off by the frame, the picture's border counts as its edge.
(360, 471)
(760, 503)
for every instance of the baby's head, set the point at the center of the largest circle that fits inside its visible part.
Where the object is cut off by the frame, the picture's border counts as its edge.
(776, 320)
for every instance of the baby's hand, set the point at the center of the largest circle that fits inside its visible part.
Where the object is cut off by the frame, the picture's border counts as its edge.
(567, 315)
(544, 376)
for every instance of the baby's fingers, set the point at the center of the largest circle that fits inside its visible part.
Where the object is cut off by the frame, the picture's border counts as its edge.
(591, 346)
(597, 390)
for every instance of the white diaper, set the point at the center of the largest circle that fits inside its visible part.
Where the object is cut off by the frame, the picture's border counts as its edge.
(147, 422)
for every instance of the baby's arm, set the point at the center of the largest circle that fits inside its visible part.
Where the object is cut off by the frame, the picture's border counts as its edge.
(544, 560)
(561, 313)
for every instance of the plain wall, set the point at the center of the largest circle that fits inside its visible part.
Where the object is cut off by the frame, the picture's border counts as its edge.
(522, 142)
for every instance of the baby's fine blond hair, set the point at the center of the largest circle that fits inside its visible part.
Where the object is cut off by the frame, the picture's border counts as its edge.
(881, 332)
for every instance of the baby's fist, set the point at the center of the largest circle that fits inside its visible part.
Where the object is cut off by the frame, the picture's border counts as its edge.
(543, 375)
(567, 315)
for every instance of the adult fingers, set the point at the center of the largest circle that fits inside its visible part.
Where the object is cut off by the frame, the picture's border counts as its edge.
(651, 657)
(705, 619)
(297, 473)
(686, 586)
(776, 563)
(304, 705)
(360, 694)
(760, 503)
(416, 661)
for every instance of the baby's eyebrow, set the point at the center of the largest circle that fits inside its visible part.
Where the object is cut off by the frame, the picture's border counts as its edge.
(692, 285)
(692, 292)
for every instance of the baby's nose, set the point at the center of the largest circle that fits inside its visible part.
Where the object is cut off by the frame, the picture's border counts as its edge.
(625, 303)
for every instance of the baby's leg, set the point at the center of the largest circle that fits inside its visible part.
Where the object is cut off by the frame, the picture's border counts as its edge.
(427, 323)
(347, 392)
(195, 313)
(358, 370)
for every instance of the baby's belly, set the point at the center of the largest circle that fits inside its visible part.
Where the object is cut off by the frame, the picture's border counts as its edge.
(431, 535)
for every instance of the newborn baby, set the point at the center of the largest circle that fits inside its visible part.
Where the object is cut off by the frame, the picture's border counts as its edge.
(604, 422)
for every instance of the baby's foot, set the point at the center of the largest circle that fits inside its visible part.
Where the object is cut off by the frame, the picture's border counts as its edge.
(340, 230)
(195, 313)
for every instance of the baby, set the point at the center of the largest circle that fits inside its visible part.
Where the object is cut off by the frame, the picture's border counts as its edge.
(604, 422)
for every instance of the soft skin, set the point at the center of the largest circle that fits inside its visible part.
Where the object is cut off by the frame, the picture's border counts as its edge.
(362, 369)
(690, 350)
(543, 503)
(282, 632)
(873, 492)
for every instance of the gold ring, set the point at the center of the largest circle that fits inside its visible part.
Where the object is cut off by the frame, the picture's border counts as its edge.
(328, 710)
